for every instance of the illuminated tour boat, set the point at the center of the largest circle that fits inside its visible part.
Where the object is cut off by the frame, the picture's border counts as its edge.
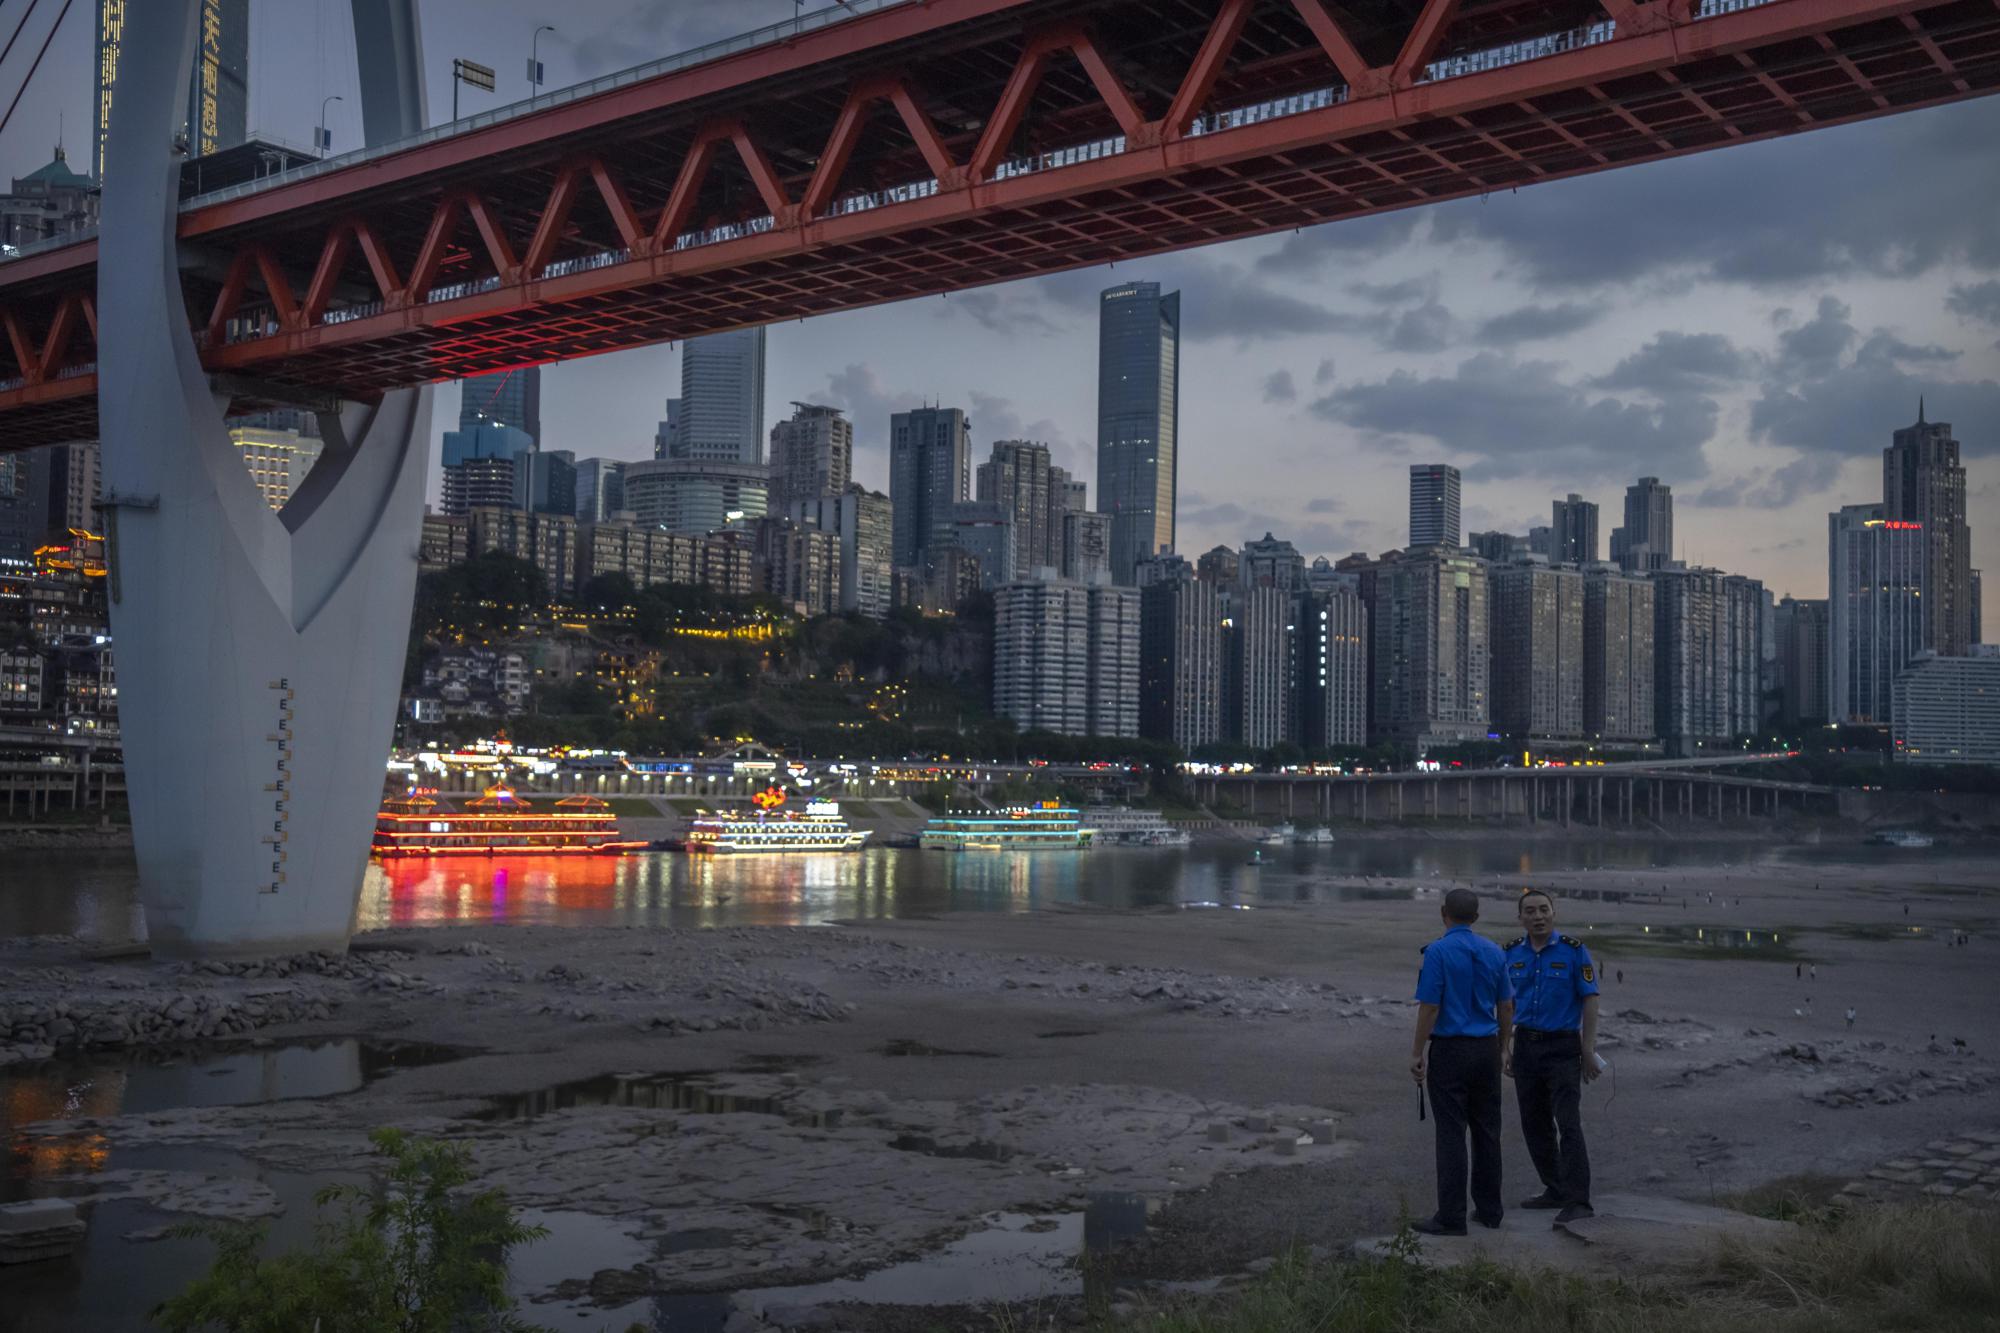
(818, 828)
(1017, 828)
(498, 823)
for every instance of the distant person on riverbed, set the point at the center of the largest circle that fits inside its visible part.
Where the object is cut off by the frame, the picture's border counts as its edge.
(1553, 1054)
(1464, 1021)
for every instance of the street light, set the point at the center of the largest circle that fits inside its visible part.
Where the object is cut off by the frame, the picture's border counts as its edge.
(534, 61)
(323, 137)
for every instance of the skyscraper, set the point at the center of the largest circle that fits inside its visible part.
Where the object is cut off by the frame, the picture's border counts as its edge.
(218, 102)
(1066, 658)
(1646, 542)
(1803, 659)
(510, 397)
(480, 466)
(861, 520)
(930, 454)
(1617, 656)
(1273, 563)
(812, 454)
(1573, 531)
(1924, 483)
(1707, 656)
(1433, 504)
(1086, 546)
(722, 398)
(693, 497)
(1018, 478)
(1878, 587)
(1332, 673)
(1430, 663)
(667, 439)
(1138, 419)
(1257, 665)
(600, 488)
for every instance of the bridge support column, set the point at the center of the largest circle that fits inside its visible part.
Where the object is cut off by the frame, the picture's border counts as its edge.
(259, 654)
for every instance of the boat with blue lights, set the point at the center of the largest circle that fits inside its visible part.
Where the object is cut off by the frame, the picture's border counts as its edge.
(1049, 825)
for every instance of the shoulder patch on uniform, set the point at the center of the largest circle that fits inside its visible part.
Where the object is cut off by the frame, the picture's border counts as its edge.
(1516, 940)
(1589, 973)
(1571, 941)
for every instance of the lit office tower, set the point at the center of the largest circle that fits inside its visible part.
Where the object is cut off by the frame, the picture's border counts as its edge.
(1924, 483)
(1180, 659)
(1803, 659)
(1707, 656)
(722, 399)
(930, 455)
(1617, 656)
(1433, 504)
(1429, 661)
(1536, 637)
(1018, 478)
(1066, 658)
(278, 459)
(218, 102)
(509, 397)
(1332, 674)
(812, 454)
(1138, 419)
(1573, 531)
(1878, 583)
(1646, 542)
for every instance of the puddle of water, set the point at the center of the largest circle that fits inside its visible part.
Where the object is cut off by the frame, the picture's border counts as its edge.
(1699, 942)
(1013, 1257)
(693, 1092)
(909, 1046)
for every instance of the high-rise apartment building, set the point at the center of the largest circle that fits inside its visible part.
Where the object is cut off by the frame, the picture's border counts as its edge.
(1948, 710)
(722, 399)
(1434, 504)
(1646, 541)
(546, 541)
(1018, 479)
(480, 465)
(985, 531)
(800, 564)
(1162, 567)
(1878, 587)
(1536, 638)
(861, 520)
(1617, 656)
(812, 454)
(1707, 656)
(1331, 677)
(508, 397)
(1431, 660)
(24, 506)
(1138, 419)
(278, 460)
(1502, 548)
(1924, 483)
(930, 456)
(1220, 565)
(693, 497)
(1272, 563)
(1257, 665)
(1804, 655)
(1573, 531)
(1086, 546)
(1066, 658)
(1180, 660)
(600, 489)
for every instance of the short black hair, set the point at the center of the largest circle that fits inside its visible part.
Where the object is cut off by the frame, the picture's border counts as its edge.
(1530, 893)
(1462, 905)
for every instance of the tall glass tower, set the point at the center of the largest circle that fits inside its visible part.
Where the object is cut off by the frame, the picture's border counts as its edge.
(510, 397)
(1138, 419)
(722, 398)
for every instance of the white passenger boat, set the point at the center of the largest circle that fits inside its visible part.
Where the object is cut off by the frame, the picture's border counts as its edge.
(1017, 828)
(1128, 827)
(818, 828)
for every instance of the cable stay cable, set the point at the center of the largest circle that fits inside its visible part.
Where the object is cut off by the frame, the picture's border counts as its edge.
(37, 65)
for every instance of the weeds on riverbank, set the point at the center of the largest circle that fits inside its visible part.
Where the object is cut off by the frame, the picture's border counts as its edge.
(1933, 1268)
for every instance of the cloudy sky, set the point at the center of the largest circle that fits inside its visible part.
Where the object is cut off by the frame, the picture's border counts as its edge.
(1749, 325)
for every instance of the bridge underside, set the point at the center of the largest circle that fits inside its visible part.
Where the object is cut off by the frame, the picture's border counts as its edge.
(929, 148)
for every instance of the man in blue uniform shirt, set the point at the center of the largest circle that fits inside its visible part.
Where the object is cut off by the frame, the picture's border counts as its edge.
(1464, 1010)
(1554, 1053)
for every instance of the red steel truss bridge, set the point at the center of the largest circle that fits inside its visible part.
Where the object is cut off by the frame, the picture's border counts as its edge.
(899, 148)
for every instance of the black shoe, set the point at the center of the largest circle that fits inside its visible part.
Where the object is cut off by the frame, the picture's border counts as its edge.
(1430, 1226)
(1546, 1199)
(1575, 1212)
(1490, 1223)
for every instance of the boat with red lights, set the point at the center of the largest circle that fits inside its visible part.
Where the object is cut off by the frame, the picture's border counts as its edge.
(498, 823)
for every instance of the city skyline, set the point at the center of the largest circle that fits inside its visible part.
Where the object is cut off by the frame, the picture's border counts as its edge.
(1750, 344)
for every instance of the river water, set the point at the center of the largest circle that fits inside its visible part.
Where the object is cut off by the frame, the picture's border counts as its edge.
(95, 894)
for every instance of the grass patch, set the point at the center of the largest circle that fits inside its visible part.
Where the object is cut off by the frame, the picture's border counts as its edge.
(1927, 1267)
(636, 807)
(1806, 1197)
(688, 805)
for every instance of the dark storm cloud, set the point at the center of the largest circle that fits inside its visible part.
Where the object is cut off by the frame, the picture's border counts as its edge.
(1279, 388)
(1820, 205)
(1522, 418)
(1680, 363)
(1425, 328)
(1534, 322)
(1976, 301)
(1341, 242)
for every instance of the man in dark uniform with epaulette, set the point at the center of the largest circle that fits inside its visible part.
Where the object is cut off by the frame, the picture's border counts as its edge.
(1554, 1053)
(1463, 1013)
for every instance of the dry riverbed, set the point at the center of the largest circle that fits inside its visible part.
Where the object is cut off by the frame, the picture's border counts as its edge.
(744, 1110)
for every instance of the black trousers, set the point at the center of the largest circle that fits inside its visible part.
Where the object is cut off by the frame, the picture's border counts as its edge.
(1464, 1081)
(1548, 1083)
